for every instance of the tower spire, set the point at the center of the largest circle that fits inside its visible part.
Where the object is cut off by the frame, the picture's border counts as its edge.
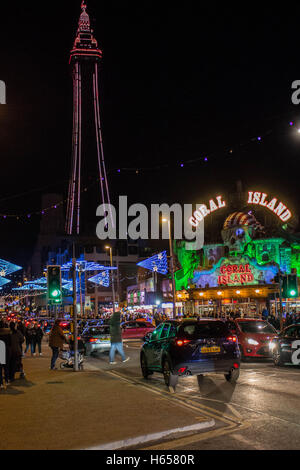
(84, 24)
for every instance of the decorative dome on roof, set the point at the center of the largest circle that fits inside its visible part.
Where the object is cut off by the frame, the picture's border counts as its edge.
(240, 218)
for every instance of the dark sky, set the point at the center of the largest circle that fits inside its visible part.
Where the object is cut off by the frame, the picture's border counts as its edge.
(176, 85)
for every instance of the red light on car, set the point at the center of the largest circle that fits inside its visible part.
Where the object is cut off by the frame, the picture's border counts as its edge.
(235, 365)
(182, 342)
(233, 339)
(93, 340)
(181, 370)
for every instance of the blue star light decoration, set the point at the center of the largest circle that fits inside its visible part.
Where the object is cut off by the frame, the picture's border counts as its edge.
(157, 263)
(101, 279)
(7, 268)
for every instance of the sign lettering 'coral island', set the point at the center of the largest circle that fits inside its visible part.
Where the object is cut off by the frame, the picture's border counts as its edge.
(256, 197)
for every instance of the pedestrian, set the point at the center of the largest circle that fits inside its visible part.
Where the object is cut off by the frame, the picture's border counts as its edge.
(15, 360)
(37, 340)
(5, 336)
(56, 342)
(29, 337)
(116, 339)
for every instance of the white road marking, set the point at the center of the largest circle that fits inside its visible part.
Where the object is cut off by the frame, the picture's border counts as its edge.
(134, 441)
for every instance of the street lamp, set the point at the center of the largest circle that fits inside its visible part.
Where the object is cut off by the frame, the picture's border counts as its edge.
(172, 267)
(112, 278)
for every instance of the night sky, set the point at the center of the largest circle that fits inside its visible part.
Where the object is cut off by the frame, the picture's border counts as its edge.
(176, 85)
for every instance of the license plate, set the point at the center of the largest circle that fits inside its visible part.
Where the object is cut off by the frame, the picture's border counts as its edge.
(212, 349)
(104, 339)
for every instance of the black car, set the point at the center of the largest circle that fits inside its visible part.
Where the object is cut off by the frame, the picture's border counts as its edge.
(190, 347)
(284, 346)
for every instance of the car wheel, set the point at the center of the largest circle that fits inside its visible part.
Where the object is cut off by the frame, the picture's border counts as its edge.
(277, 358)
(233, 375)
(171, 380)
(144, 367)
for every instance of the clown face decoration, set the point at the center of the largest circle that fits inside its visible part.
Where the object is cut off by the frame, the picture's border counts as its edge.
(239, 230)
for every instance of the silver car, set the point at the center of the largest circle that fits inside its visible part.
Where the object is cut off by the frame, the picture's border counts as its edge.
(96, 339)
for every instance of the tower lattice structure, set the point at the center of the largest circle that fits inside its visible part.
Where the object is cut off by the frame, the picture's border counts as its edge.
(85, 50)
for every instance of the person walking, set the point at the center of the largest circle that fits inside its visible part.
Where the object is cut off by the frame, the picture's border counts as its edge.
(37, 340)
(5, 336)
(116, 339)
(15, 360)
(29, 337)
(57, 340)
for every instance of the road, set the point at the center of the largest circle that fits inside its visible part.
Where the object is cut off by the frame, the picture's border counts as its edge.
(262, 411)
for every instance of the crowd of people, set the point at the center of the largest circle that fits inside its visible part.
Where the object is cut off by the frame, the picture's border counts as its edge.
(11, 357)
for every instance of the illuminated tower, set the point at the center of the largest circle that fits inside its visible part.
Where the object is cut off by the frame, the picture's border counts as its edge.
(85, 53)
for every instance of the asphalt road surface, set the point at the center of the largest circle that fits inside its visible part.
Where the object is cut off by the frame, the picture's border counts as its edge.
(261, 412)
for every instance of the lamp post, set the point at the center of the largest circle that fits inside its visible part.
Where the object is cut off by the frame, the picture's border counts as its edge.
(171, 266)
(112, 278)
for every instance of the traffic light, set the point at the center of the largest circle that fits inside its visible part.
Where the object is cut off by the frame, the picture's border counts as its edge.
(54, 284)
(290, 286)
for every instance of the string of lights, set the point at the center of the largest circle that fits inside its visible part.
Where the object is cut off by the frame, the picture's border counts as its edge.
(200, 159)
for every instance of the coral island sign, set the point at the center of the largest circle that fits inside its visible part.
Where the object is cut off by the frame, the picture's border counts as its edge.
(235, 274)
(279, 209)
(235, 271)
(254, 197)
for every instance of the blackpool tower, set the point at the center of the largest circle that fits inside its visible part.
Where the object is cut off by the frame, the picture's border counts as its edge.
(84, 55)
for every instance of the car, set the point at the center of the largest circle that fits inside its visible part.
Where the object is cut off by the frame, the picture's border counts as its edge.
(190, 347)
(66, 327)
(136, 329)
(254, 336)
(282, 347)
(96, 339)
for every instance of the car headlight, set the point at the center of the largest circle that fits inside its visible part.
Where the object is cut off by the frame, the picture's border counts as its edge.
(252, 341)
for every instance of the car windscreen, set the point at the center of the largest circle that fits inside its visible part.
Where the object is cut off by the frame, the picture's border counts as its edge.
(98, 331)
(256, 327)
(203, 330)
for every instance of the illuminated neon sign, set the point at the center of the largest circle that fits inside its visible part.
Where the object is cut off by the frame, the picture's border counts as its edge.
(203, 211)
(235, 274)
(279, 209)
(258, 198)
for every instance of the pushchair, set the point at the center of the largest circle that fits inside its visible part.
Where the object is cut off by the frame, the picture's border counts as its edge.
(68, 356)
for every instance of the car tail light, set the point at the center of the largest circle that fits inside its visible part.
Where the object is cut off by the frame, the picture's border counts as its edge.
(78, 338)
(182, 342)
(93, 340)
(232, 339)
(182, 370)
(235, 365)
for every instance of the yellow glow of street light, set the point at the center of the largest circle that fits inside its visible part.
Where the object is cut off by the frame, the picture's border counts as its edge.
(165, 220)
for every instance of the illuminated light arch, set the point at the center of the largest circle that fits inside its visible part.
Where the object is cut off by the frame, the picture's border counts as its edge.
(203, 211)
(280, 209)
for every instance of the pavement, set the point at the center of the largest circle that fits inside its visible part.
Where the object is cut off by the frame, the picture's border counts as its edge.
(90, 409)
